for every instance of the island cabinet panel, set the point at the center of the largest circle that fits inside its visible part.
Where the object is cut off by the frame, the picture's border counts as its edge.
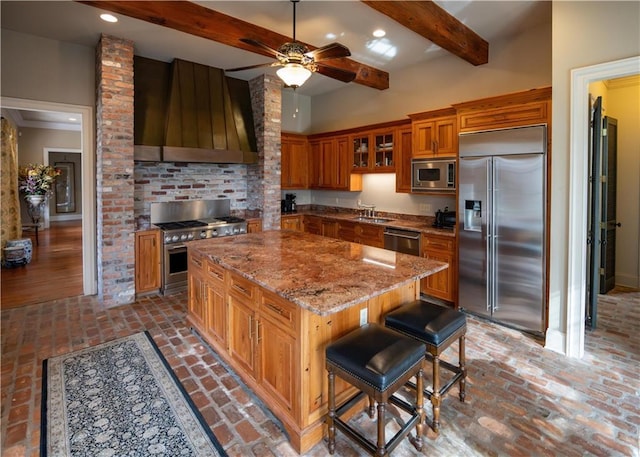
(243, 322)
(443, 283)
(216, 323)
(196, 292)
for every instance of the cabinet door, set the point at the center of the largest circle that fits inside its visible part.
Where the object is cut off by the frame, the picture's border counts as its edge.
(278, 366)
(347, 231)
(196, 300)
(254, 226)
(328, 176)
(216, 316)
(294, 163)
(424, 138)
(383, 157)
(446, 137)
(371, 235)
(315, 165)
(147, 258)
(312, 224)
(403, 160)
(439, 284)
(291, 223)
(360, 153)
(242, 324)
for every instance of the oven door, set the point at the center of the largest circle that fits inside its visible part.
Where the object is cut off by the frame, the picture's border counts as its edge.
(174, 268)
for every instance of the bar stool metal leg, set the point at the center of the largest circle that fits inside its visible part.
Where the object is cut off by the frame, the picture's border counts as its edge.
(463, 368)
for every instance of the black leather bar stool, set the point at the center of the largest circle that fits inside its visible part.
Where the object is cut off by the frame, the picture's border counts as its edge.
(377, 361)
(437, 327)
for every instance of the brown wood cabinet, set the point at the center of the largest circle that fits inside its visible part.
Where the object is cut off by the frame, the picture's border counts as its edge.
(148, 254)
(329, 165)
(509, 110)
(435, 134)
(215, 303)
(197, 295)
(373, 151)
(292, 222)
(254, 225)
(443, 284)
(320, 226)
(295, 161)
(403, 159)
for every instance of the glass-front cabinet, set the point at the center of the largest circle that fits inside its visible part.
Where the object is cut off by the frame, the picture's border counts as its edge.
(373, 151)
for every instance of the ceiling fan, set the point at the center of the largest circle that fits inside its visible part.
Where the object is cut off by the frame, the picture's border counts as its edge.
(298, 62)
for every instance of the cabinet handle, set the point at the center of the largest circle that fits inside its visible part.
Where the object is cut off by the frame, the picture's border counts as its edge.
(196, 261)
(251, 328)
(276, 308)
(258, 338)
(241, 289)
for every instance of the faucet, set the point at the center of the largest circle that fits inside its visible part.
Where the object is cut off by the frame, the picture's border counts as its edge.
(368, 210)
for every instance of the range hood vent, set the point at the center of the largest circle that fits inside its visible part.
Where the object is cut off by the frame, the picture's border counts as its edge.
(188, 112)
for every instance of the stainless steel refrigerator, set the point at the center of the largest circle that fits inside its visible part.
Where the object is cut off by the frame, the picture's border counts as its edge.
(502, 225)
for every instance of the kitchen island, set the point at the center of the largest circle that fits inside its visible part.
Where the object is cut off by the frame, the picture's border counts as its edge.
(270, 302)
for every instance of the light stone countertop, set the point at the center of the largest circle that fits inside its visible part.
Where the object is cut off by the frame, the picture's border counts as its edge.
(323, 275)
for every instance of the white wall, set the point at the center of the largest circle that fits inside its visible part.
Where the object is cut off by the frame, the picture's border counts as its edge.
(584, 34)
(41, 69)
(623, 104)
(518, 63)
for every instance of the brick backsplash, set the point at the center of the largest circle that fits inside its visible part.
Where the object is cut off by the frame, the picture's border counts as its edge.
(166, 181)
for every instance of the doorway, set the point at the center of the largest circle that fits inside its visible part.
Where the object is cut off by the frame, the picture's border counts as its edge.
(87, 224)
(577, 234)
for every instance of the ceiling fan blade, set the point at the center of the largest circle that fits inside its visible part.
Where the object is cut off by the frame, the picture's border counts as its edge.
(249, 67)
(336, 73)
(261, 45)
(330, 51)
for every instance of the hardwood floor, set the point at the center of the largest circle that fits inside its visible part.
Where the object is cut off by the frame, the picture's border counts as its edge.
(55, 270)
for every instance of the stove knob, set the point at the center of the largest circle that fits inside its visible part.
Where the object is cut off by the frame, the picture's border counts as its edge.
(203, 234)
(167, 239)
(236, 230)
(214, 232)
(190, 236)
(243, 230)
(175, 238)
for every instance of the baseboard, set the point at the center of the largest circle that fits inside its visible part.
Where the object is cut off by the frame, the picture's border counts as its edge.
(66, 217)
(627, 280)
(556, 341)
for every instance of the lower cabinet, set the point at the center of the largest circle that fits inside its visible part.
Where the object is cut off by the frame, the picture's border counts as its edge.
(292, 222)
(442, 284)
(197, 298)
(148, 252)
(254, 225)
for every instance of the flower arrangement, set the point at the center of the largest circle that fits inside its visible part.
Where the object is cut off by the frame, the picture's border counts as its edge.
(36, 179)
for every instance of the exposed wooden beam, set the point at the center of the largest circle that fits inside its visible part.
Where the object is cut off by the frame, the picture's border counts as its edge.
(206, 23)
(435, 24)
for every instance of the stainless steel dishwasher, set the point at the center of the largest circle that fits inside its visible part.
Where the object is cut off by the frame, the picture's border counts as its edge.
(400, 240)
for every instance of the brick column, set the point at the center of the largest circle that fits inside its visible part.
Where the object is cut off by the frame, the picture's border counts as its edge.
(263, 179)
(114, 171)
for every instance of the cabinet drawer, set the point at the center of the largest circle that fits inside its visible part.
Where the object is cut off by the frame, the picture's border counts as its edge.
(242, 288)
(196, 261)
(281, 312)
(433, 243)
(215, 274)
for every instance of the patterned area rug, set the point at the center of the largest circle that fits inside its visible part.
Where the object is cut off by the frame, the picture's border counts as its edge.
(120, 398)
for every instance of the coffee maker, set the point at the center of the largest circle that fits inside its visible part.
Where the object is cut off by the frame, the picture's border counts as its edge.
(288, 205)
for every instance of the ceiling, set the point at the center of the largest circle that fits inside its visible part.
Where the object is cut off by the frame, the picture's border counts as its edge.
(351, 22)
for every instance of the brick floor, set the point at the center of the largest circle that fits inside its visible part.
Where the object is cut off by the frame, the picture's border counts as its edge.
(521, 398)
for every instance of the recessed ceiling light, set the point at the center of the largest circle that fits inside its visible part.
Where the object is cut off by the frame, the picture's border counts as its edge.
(108, 17)
(379, 33)
(331, 36)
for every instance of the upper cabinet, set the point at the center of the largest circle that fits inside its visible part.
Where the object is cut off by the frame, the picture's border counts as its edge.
(435, 134)
(373, 151)
(511, 110)
(295, 161)
(329, 164)
(403, 159)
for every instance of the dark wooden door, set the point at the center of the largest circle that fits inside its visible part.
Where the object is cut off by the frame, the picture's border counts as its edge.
(609, 222)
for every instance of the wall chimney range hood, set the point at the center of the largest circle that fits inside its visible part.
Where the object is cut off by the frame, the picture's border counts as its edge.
(188, 112)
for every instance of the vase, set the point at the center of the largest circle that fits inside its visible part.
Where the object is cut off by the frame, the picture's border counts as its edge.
(35, 200)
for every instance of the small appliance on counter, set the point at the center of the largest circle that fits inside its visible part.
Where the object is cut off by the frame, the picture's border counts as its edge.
(445, 219)
(288, 205)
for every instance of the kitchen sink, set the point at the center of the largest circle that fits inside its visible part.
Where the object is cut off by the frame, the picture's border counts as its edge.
(375, 220)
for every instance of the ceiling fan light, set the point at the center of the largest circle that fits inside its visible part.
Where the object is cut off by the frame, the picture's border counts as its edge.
(293, 74)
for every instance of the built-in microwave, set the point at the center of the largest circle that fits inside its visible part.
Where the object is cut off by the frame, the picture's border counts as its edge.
(433, 175)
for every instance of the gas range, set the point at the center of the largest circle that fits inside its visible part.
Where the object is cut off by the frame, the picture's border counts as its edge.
(181, 231)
